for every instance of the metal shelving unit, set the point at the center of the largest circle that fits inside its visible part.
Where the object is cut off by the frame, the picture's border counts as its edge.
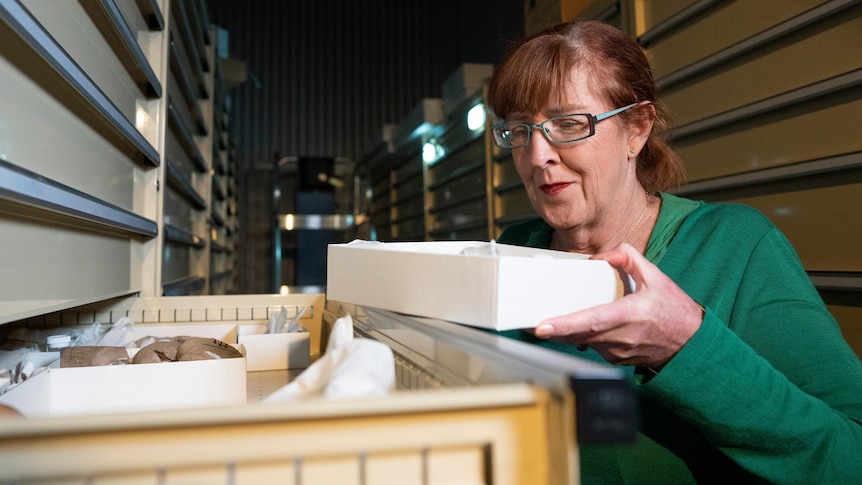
(109, 163)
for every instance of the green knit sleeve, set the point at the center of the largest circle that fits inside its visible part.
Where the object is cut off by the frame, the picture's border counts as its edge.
(767, 379)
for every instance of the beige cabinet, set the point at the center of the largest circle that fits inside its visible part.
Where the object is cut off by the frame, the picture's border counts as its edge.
(115, 167)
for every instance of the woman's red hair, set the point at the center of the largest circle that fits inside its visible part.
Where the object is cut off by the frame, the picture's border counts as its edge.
(618, 72)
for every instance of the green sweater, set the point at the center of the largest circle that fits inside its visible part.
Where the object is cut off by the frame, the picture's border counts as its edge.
(767, 390)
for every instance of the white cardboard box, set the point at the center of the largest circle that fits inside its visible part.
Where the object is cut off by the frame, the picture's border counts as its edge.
(482, 284)
(129, 388)
(137, 387)
(275, 351)
(238, 310)
(141, 387)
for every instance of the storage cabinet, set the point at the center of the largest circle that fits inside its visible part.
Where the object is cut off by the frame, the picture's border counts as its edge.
(509, 202)
(396, 174)
(109, 183)
(223, 211)
(767, 114)
(80, 158)
(456, 192)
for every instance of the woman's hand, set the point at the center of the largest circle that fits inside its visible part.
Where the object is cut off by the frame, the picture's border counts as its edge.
(645, 328)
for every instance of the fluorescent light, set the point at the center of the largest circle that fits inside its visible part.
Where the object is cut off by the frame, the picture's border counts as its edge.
(476, 117)
(429, 152)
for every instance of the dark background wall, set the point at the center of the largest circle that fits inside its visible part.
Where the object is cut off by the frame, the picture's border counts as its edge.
(324, 76)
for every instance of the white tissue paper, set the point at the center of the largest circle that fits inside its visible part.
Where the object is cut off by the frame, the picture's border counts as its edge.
(349, 368)
(119, 333)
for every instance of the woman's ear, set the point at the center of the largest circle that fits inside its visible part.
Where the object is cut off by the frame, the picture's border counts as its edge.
(640, 127)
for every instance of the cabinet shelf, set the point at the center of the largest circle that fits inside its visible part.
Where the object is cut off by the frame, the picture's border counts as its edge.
(38, 47)
(437, 208)
(508, 187)
(152, 13)
(179, 236)
(457, 174)
(408, 217)
(184, 286)
(186, 137)
(193, 55)
(183, 80)
(22, 186)
(217, 219)
(218, 248)
(198, 30)
(120, 37)
(442, 231)
(178, 180)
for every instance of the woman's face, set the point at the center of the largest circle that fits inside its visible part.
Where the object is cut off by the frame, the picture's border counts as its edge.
(577, 185)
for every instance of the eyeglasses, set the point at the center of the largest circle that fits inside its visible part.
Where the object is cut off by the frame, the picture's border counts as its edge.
(559, 129)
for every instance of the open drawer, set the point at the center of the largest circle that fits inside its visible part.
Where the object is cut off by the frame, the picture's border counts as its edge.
(477, 435)
(470, 408)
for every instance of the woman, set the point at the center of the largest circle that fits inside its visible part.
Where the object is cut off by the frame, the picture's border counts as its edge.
(742, 372)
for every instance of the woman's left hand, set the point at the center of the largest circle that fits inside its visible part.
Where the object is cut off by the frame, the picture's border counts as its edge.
(645, 328)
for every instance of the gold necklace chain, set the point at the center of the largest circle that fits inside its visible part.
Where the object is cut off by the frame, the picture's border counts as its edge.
(558, 244)
(640, 218)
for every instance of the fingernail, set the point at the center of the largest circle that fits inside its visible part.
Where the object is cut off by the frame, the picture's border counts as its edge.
(544, 330)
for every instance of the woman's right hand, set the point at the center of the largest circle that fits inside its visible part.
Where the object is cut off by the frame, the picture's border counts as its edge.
(645, 328)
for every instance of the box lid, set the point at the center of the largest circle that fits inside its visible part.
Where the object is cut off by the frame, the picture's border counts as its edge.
(476, 283)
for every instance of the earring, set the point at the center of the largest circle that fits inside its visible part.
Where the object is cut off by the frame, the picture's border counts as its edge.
(632, 151)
